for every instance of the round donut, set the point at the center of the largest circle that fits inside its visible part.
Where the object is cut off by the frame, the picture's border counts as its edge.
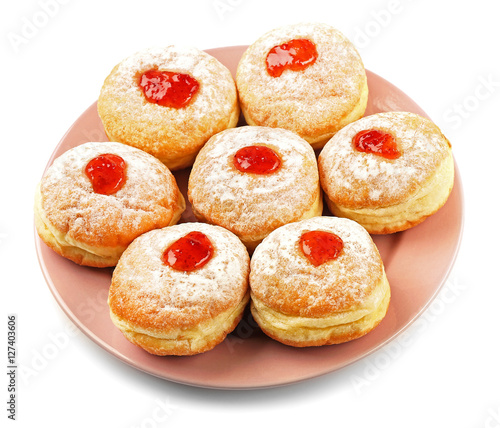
(299, 302)
(92, 228)
(173, 133)
(249, 204)
(168, 311)
(316, 101)
(387, 194)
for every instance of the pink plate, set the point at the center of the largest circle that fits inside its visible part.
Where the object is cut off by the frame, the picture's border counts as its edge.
(417, 262)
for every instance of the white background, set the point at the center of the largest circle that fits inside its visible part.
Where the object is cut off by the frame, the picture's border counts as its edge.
(445, 55)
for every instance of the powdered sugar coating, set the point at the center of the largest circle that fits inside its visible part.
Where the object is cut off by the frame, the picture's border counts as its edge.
(248, 203)
(312, 100)
(215, 79)
(357, 179)
(283, 277)
(148, 199)
(167, 132)
(151, 295)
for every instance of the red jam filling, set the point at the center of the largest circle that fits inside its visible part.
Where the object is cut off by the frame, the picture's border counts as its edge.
(167, 88)
(257, 160)
(376, 142)
(106, 173)
(189, 253)
(295, 55)
(319, 246)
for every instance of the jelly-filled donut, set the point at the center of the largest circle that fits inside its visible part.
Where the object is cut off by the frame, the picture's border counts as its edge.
(180, 290)
(168, 102)
(96, 198)
(307, 78)
(389, 171)
(317, 282)
(252, 180)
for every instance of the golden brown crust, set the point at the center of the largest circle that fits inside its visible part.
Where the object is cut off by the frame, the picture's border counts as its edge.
(94, 229)
(157, 306)
(315, 102)
(319, 332)
(188, 341)
(253, 205)
(172, 135)
(301, 304)
(388, 195)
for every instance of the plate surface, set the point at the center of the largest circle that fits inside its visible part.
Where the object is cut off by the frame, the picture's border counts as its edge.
(417, 263)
